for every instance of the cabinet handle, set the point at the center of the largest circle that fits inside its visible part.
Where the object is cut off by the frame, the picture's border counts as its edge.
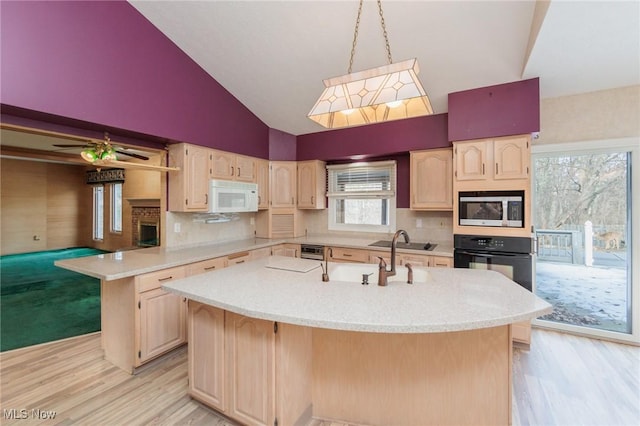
(206, 198)
(238, 171)
(312, 199)
(208, 268)
(496, 168)
(259, 200)
(232, 171)
(165, 278)
(239, 261)
(483, 169)
(292, 202)
(347, 254)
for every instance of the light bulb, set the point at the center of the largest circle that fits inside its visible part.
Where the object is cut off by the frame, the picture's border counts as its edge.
(394, 104)
(347, 111)
(89, 155)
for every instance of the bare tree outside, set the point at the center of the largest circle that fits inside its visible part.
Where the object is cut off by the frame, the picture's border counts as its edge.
(574, 194)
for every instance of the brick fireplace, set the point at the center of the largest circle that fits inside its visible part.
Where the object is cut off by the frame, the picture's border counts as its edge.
(145, 226)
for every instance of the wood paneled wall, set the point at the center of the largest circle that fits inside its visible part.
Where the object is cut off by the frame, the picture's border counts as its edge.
(47, 206)
(44, 206)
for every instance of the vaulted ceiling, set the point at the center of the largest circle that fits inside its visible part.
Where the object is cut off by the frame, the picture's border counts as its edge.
(273, 55)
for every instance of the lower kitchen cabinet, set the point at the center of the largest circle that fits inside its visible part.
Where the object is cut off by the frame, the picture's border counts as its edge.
(139, 320)
(254, 371)
(341, 254)
(206, 266)
(289, 250)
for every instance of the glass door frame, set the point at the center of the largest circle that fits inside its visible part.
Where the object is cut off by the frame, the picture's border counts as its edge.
(605, 146)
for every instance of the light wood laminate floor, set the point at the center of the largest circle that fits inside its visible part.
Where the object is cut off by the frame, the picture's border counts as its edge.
(562, 380)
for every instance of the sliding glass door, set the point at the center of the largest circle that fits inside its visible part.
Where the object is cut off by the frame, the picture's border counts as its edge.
(582, 212)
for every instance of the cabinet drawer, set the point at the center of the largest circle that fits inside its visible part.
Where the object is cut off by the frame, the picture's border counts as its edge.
(441, 262)
(349, 255)
(206, 266)
(236, 258)
(414, 260)
(152, 280)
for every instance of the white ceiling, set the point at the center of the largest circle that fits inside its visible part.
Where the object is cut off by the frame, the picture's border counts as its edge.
(273, 55)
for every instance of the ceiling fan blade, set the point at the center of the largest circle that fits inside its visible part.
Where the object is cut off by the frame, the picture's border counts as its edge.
(131, 154)
(70, 146)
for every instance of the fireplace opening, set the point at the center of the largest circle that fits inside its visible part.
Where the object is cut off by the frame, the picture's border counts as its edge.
(148, 235)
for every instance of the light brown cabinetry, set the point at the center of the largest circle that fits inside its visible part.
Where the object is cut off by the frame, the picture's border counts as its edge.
(312, 181)
(161, 317)
(230, 166)
(207, 379)
(342, 254)
(262, 179)
(189, 186)
(254, 371)
(289, 250)
(413, 259)
(206, 266)
(431, 180)
(261, 253)
(492, 159)
(283, 184)
(238, 258)
(250, 347)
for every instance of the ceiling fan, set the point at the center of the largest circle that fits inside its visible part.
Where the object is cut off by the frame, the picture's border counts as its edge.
(101, 150)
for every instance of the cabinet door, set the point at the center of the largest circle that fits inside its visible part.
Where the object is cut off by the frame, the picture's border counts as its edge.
(283, 183)
(251, 369)
(262, 178)
(311, 184)
(471, 160)
(245, 169)
(511, 156)
(260, 253)
(162, 323)
(206, 353)
(223, 166)
(289, 250)
(189, 187)
(206, 266)
(432, 180)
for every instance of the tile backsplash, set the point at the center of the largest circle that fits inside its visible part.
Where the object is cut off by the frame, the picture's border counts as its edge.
(435, 227)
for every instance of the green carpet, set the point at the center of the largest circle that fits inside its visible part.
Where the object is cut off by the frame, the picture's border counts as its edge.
(40, 302)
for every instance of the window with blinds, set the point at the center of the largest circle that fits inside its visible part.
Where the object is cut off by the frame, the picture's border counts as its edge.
(362, 196)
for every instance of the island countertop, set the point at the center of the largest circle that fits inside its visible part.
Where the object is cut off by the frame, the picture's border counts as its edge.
(446, 300)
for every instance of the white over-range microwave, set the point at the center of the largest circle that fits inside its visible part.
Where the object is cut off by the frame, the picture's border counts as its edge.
(232, 197)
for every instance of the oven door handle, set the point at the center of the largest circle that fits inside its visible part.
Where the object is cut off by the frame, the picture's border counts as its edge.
(501, 254)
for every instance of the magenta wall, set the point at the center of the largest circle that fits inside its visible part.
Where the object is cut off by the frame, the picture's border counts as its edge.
(375, 139)
(501, 110)
(102, 62)
(282, 146)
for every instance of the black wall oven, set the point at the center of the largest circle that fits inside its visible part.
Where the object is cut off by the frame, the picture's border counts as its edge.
(511, 256)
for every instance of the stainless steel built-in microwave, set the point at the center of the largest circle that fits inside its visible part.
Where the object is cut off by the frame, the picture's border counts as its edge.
(491, 208)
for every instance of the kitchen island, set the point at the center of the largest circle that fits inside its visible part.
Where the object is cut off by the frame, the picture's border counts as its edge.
(269, 340)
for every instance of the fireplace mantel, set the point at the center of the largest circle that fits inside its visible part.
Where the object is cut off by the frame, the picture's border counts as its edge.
(144, 202)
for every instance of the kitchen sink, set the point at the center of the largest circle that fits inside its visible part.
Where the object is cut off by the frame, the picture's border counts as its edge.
(352, 272)
(403, 245)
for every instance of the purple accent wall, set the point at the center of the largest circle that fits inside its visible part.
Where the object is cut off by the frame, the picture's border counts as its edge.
(375, 139)
(102, 62)
(501, 110)
(282, 146)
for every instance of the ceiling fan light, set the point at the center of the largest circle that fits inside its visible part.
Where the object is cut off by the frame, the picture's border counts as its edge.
(108, 155)
(89, 155)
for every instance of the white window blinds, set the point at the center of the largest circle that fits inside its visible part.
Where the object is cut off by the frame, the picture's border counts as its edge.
(362, 180)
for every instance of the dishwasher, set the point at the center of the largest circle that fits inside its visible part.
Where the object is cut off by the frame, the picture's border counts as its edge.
(311, 251)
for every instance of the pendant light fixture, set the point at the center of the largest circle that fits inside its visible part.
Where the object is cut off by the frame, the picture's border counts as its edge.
(385, 93)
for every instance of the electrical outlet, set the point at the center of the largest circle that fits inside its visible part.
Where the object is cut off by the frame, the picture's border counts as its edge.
(176, 227)
(418, 223)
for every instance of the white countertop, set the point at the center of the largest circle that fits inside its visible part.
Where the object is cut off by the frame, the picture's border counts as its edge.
(123, 264)
(449, 300)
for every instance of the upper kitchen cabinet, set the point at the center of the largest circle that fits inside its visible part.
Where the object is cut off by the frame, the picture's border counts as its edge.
(189, 186)
(432, 179)
(262, 178)
(491, 160)
(312, 182)
(229, 166)
(511, 158)
(283, 184)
